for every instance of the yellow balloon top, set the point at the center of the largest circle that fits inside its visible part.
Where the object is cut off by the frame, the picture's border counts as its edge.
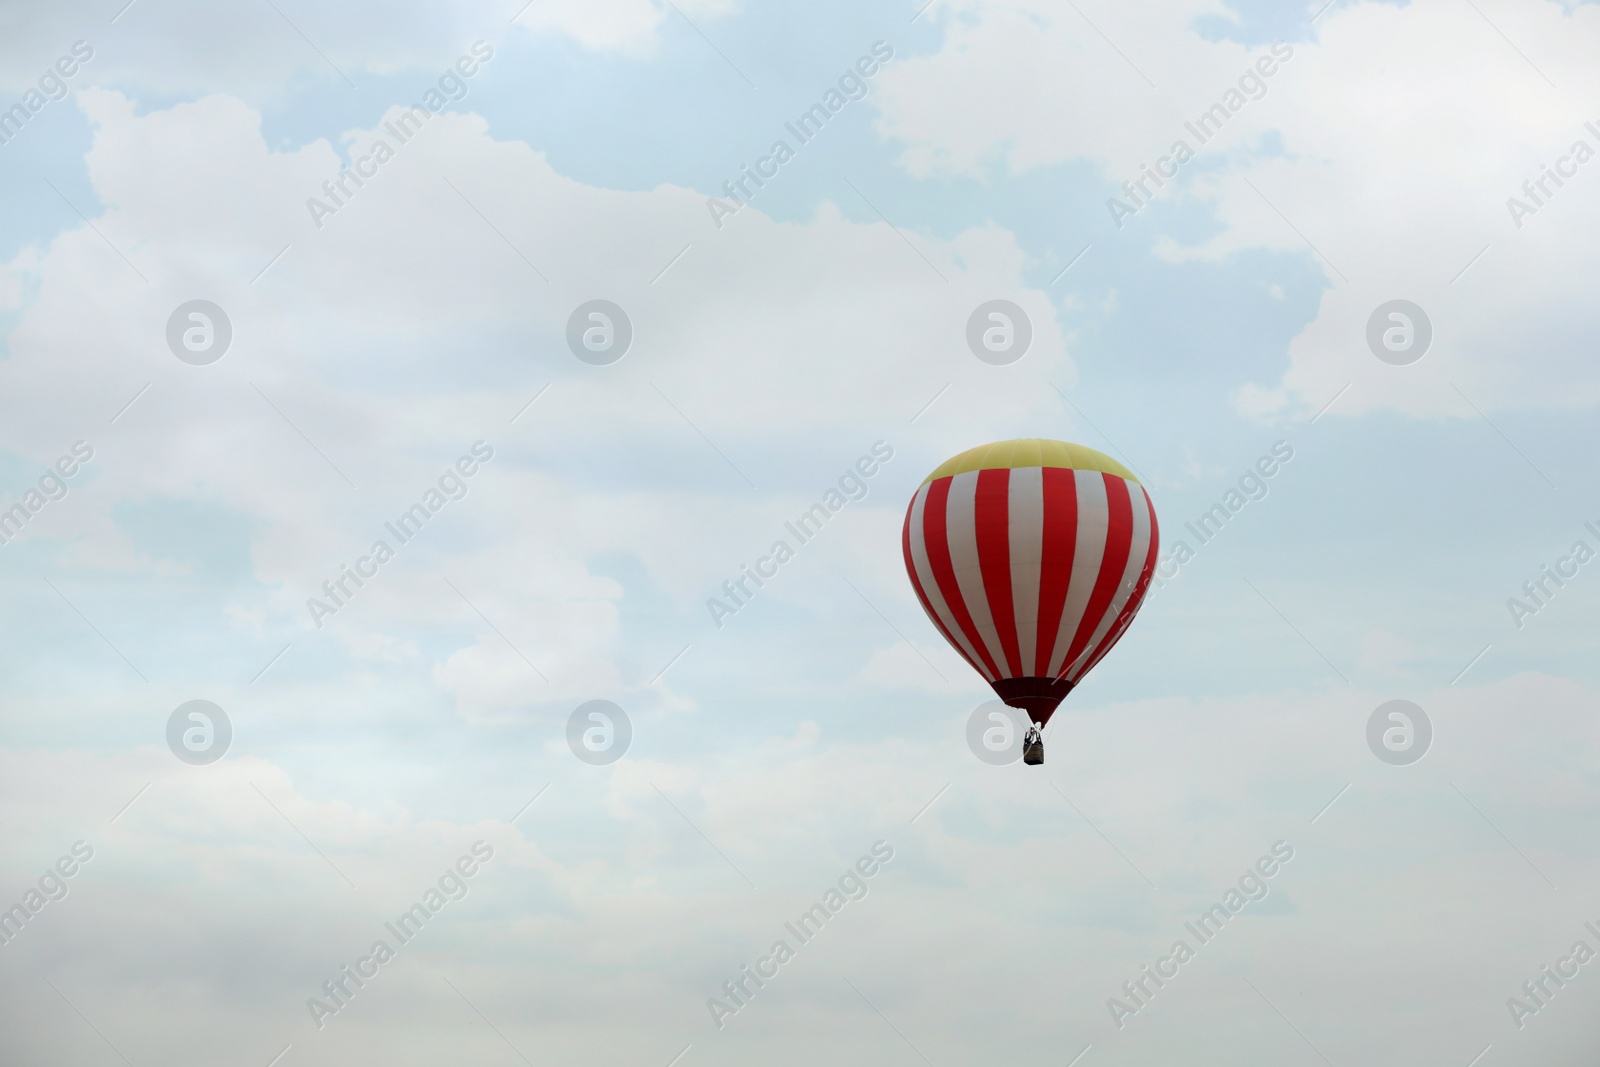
(1030, 452)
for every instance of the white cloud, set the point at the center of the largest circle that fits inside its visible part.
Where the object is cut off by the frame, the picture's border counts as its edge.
(622, 909)
(796, 333)
(1398, 156)
(410, 326)
(630, 26)
(906, 666)
(194, 47)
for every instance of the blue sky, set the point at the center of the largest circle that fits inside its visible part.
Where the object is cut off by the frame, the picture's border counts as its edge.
(371, 352)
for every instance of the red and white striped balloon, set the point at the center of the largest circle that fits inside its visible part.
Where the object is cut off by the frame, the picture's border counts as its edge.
(1031, 557)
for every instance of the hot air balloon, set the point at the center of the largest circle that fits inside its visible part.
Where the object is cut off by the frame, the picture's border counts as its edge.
(1031, 557)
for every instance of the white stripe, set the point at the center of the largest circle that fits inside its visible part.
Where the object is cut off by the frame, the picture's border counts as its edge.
(1094, 518)
(930, 587)
(961, 528)
(1127, 622)
(1025, 525)
(1137, 551)
(1082, 669)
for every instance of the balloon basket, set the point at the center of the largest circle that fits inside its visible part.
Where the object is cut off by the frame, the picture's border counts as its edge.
(1033, 747)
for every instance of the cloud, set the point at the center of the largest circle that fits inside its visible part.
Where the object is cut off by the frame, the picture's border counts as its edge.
(427, 313)
(906, 666)
(619, 894)
(333, 412)
(628, 26)
(1375, 151)
(260, 52)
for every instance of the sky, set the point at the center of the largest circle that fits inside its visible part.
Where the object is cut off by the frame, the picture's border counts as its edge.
(240, 342)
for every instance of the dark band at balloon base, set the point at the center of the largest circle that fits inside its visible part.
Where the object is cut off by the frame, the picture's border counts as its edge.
(1037, 696)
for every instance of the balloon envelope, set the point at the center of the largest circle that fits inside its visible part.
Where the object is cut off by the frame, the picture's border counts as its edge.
(1031, 557)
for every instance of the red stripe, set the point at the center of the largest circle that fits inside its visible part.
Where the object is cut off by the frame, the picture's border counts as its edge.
(1060, 542)
(992, 518)
(1141, 586)
(935, 538)
(916, 584)
(1119, 542)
